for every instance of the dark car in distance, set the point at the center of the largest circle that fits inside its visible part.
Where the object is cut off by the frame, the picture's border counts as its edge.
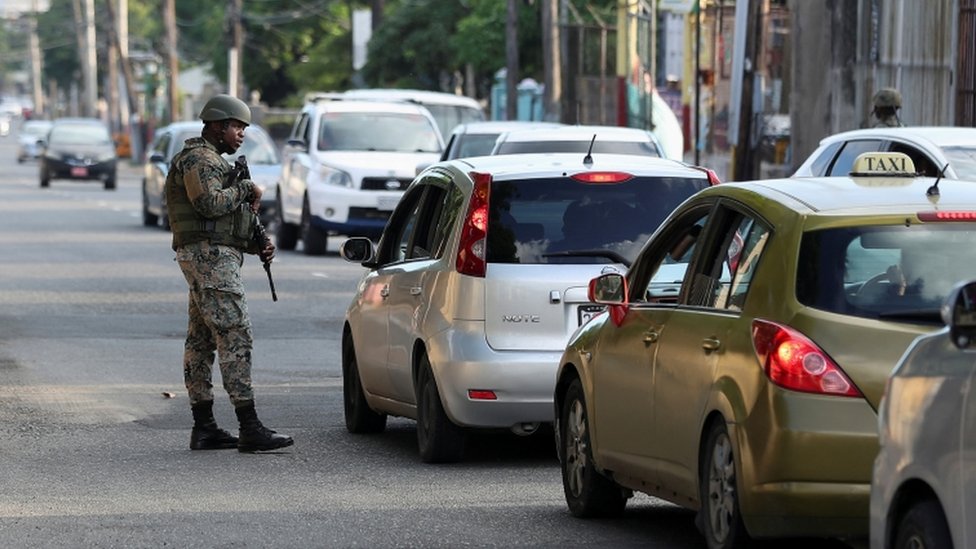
(79, 149)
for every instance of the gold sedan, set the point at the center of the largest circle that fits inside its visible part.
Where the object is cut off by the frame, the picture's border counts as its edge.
(739, 367)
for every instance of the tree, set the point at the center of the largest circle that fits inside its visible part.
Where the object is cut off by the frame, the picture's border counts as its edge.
(424, 43)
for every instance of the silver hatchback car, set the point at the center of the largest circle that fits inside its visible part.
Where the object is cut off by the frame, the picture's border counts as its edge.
(479, 279)
(923, 489)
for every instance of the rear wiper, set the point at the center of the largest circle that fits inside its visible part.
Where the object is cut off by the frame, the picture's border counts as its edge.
(607, 254)
(924, 315)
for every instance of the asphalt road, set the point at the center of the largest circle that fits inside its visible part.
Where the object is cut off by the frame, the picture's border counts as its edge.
(94, 420)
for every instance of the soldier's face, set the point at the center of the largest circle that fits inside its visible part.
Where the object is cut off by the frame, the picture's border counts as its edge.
(232, 136)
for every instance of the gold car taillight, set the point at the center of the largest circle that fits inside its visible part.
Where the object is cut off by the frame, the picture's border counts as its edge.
(793, 362)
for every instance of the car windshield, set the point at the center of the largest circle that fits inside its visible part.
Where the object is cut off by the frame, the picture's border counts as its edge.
(79, 134)
(893, 272)
(563, 220)
(641, 148)
(963, 160)
(449, 116)
(476, 144)
(258, 148)
(371, 131)
(35, 129)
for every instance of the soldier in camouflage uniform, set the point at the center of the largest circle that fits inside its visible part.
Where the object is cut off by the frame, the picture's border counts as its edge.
(213, 222)
(886, 102)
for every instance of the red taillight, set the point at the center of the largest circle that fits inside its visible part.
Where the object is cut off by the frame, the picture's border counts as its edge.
(602, 177)
(792, 361)
(947, 216)
(481, 394)
(471, 249)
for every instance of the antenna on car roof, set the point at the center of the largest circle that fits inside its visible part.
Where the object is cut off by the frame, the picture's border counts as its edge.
(934, 189)
(588, 159)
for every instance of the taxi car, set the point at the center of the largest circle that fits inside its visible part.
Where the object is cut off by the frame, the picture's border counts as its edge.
(746, 385)
(931, 148)
(478, 281)
(922, 491)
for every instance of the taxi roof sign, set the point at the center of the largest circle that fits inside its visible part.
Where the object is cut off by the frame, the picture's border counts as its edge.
(883, 164)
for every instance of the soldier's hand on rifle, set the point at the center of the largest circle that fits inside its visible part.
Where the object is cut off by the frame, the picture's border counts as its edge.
(256, 193)
(268, 252)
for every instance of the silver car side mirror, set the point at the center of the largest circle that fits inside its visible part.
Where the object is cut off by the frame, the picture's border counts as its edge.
(959, 314)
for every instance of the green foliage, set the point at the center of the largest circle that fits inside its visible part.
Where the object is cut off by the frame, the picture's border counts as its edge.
(296, 46)
(423, 43)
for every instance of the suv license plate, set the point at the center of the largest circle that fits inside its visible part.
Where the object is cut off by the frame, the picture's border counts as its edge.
(587, 312)
(387, 203)
(79, 171)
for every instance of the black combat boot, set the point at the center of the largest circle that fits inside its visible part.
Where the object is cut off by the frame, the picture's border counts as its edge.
(206, 435)
(255, 437)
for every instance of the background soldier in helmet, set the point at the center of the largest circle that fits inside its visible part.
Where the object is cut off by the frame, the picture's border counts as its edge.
(213, 223)
(886, 101)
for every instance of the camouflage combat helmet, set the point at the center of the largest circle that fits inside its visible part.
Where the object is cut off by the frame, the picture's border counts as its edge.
(223, 107)
(887, 97)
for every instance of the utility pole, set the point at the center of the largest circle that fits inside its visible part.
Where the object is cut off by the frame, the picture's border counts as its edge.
(377, 8)
(235, 77)
(82, 58)
(744, 161)
(551, 60)
(169, 17)
(35, 57)
(91, 70)
(511, 58)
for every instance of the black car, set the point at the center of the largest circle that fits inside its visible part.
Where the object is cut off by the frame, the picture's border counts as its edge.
(80, 149)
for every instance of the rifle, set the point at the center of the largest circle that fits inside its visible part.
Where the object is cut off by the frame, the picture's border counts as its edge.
(260, 235)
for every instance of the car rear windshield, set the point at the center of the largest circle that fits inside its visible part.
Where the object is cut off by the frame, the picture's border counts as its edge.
(563, 220)
(370, 131)
(639, 148)
(885, 272)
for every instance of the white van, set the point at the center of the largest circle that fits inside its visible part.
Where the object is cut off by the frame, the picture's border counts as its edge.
(448, 109)
(346, 165)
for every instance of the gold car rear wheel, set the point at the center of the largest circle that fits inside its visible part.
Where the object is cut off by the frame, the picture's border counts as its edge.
(588, 492)
(721, 519)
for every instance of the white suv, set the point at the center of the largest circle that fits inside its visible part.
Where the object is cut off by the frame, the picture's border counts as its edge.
(480, 278)
(345, 166)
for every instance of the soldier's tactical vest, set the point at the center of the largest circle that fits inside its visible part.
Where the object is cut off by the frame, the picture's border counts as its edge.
(234, 229)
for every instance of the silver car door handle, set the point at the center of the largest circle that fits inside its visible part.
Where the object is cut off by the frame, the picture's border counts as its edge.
(651, 336)
(385, 292)
(415, 290)
(711, 343)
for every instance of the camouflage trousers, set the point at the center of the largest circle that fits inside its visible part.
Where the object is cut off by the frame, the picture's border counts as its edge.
(218, 322)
